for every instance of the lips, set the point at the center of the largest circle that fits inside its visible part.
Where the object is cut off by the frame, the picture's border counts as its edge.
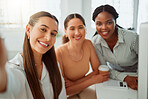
(104, 33)
(77, 38)
(43, 44)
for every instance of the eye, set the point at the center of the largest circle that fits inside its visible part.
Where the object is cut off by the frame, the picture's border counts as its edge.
(81, 27)
(72, 28)
(98, 23)
(109, 22)
(53, 34)
(42, 29)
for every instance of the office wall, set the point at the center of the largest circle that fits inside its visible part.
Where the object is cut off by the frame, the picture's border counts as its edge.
(82, 7)
(143, 62)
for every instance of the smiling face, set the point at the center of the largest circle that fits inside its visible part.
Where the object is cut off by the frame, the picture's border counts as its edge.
(42, 35)
(105, 25)
(75, 30)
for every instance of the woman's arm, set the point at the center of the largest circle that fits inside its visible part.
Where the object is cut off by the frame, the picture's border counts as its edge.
(3, 80)
(3, 75)
(10, 85)
(98, 50)
(78, 87)
(94, 60)
(59, 59)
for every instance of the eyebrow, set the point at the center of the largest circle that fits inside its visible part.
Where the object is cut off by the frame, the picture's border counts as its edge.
(55, 31)
(45, 25)
(109, 20)
(105, 21)
(81, 25)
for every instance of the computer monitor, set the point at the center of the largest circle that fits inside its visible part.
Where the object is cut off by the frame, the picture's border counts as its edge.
(143, 62)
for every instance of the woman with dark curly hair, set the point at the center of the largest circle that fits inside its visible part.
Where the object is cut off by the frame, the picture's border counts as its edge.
(115, 45)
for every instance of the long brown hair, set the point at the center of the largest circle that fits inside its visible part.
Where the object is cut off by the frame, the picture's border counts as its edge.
(68, 18)
(49, 59)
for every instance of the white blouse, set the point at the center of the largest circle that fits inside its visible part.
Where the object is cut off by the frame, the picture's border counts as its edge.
(18, 87)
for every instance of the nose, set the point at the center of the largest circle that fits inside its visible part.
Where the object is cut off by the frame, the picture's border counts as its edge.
(103, 26)
(48, 37)
(77, 32)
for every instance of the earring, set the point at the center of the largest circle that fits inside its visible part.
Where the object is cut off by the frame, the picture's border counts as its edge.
(28, 37)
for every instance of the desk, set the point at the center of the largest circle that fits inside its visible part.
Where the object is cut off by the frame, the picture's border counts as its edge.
(104, 92)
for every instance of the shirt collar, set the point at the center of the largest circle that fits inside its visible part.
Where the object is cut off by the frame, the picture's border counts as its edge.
(44, 72)
(120, 35)
(100, 40)
(18, 63)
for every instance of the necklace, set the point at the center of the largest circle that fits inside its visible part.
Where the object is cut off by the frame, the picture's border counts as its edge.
(75, 57)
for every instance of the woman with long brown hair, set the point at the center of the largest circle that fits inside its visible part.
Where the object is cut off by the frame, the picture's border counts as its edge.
(36, 69)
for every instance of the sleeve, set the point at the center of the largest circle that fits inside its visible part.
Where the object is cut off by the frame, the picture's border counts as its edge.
(117, 75)
(135, 44)
(13, 84)
(98, 52)
(63, 91)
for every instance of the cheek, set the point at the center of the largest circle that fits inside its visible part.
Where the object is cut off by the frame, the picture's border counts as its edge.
(97, 28)
(83, 31)
(112, 28)
(70, 33)
(53, 41)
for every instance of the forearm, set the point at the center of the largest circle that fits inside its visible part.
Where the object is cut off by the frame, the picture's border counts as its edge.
(3, 80)
(78, 87)
(117, 75)
(87, 77)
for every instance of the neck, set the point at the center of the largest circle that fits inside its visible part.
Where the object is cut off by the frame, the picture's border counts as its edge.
(38, 64)
(114, 37)
(38, 59)
(74, 48)
(75, 52)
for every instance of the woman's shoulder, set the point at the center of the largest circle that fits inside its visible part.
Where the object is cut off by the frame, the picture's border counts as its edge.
(16, 62)
(88, 44)
(61, 48)
(96, 39)
(127, 33)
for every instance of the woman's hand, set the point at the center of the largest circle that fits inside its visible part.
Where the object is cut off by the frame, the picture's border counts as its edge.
(132, 82)
(68, 83)
(99, 78)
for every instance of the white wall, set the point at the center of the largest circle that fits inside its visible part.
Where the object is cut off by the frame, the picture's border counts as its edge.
(82, 7)
(13, 39)
(143, 62)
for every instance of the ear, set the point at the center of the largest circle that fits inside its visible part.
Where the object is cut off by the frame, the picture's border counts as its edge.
(28, 28)
(65, 32)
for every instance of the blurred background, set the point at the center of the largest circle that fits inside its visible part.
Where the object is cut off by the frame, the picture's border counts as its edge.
(14, 15)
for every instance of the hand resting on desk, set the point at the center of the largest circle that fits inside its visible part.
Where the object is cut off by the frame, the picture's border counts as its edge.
(132, 82)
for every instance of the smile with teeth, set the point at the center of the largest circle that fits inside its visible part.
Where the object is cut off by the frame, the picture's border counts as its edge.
(104, 33)
(77, 38)
(43, 44)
